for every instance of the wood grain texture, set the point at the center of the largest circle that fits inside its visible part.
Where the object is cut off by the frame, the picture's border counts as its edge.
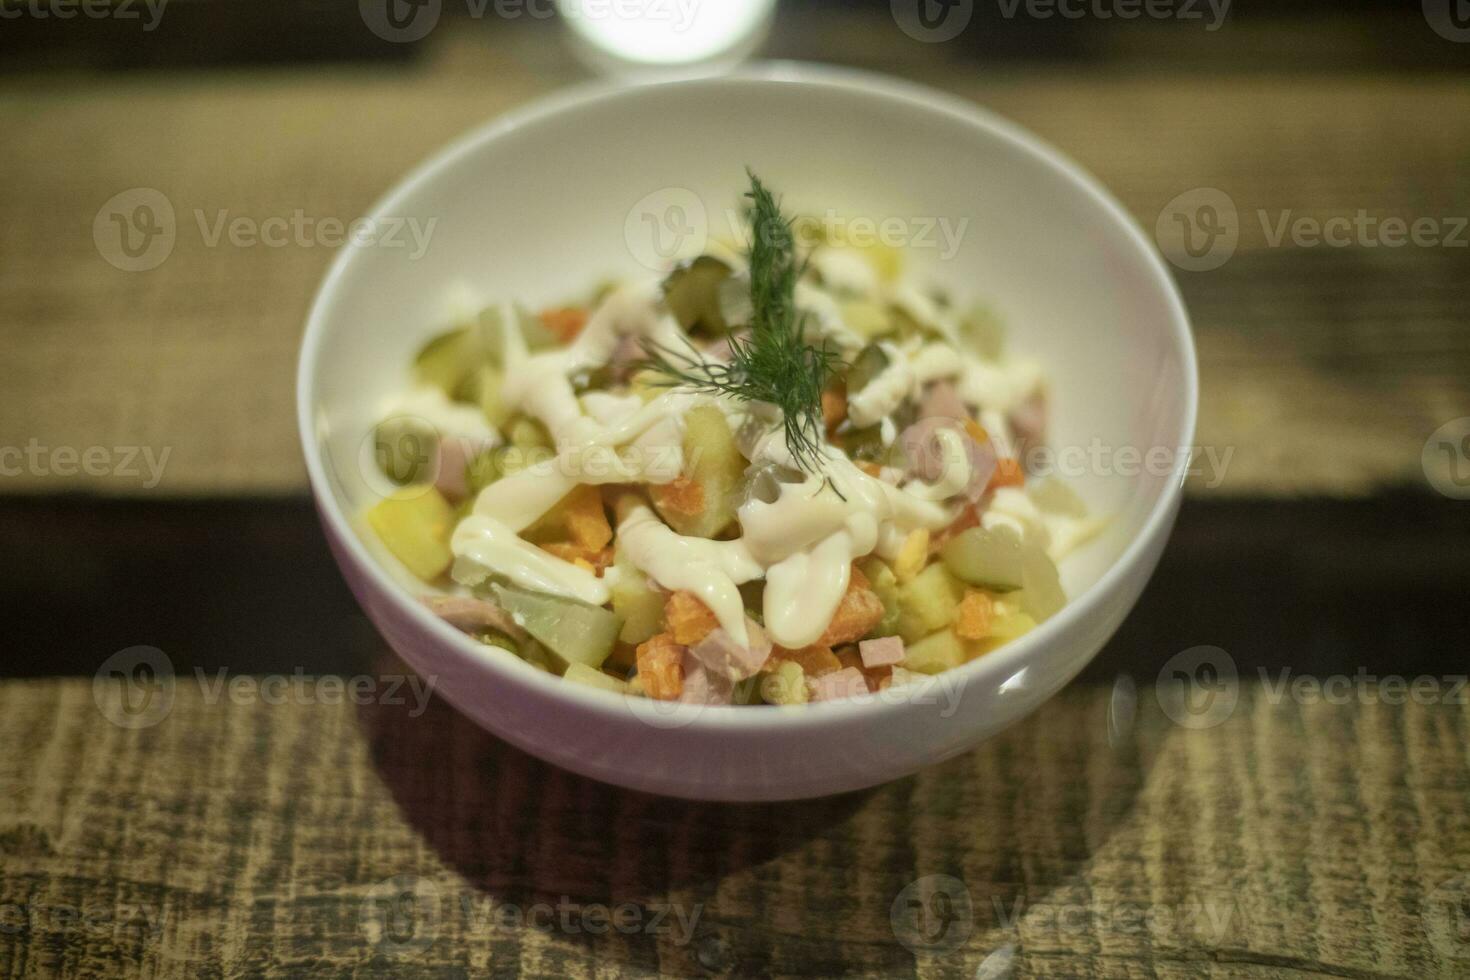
(240, 838)
(1324, 369)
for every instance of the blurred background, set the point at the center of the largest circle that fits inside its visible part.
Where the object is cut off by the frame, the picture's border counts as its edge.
(153, 491)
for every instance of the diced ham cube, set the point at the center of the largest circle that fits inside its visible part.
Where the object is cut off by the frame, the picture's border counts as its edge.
(884, 652)
(942, 401)
(1027, 422)
(455, 454)
(704, 686)
(719, 653)
(845, 683)
(471, 615)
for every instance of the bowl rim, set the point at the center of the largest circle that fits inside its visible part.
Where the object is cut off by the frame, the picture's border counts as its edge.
(1008, 661)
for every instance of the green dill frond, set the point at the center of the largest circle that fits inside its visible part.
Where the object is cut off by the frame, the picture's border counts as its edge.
(775, 364)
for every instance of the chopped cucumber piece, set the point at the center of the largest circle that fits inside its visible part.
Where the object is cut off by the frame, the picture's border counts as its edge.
(414, 524)
(640, 605)
(574, 631)
(492, 332)
(592, 677)
(702, 502)
(448, 360)
(1052, 496)
(935, 653)
(926, 603)
(987, 557)
(487, 392)
(405, 449)
(482, 471)
(1042, 596)
(693, 293)
(867, 319)
(983, 333)
(747, 691)
(869, 364)
(525, 432)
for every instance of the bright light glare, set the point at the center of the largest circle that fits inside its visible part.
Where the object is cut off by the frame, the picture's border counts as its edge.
(665, 32)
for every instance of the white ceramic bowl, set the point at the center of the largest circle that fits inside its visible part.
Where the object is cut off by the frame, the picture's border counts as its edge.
(539, 204)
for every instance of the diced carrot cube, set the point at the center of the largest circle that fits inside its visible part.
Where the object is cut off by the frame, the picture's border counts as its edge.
(858, 612)
(976, 431)
(973, 616)
(585, 518)
(1008, 473)
(688, 619)
(834, 407)
(659, 667)
(684, 496)
(594, 561)
(565, 322)
(814, 660)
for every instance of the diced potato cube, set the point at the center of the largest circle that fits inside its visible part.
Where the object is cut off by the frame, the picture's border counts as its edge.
(814, 661)
(912, 556)
(926, 603)
(885, 585)
(1007, 627)
(784, 685)
(638, 602)
(415, 524)
(592, 677)
(935, 653)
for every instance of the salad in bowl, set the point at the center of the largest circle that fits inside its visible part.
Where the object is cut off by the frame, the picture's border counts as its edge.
(779, 473)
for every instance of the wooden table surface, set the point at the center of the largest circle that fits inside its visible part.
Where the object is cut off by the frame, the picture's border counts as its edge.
(244, 835)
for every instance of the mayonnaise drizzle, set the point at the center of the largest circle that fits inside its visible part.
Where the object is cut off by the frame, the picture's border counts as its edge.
(803, 543)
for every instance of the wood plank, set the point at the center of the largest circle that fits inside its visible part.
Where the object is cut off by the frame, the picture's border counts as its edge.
(273, 840)
(1340, 362)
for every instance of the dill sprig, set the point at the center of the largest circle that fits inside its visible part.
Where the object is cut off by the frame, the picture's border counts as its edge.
(774, 364)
